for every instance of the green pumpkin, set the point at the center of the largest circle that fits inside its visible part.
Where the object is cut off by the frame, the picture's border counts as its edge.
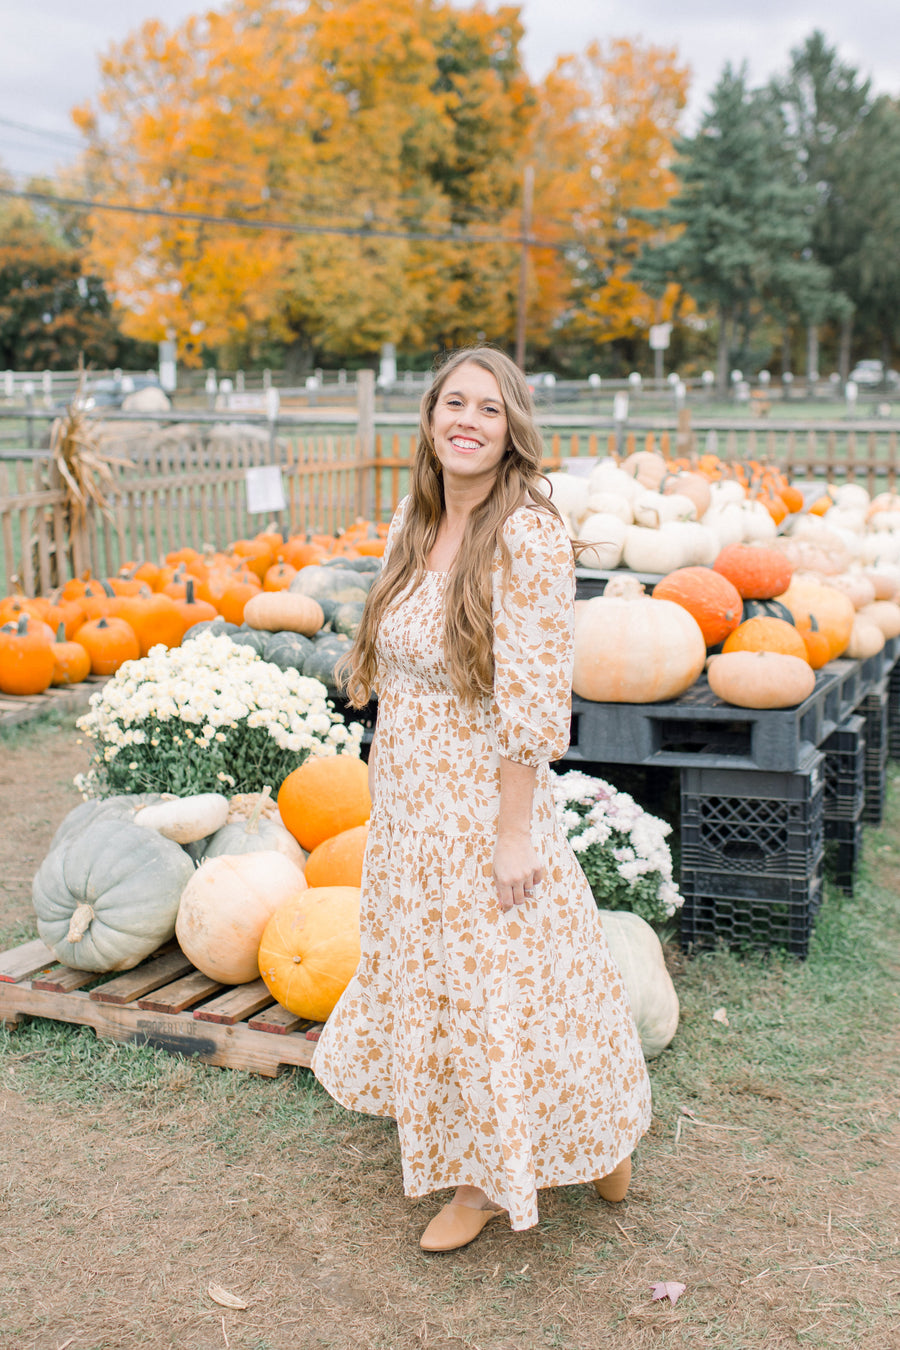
(254, 638)
(288, 651)
(217, 626)
(334, 585)
(107, 896)
(366, 563)
(766, 609)
(268, 836)
(123, 807)
(347, 618)
(327, 652)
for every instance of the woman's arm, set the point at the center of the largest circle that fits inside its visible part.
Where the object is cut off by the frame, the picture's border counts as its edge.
(517, 868)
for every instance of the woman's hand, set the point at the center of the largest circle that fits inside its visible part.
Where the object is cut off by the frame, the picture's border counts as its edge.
(517, 869)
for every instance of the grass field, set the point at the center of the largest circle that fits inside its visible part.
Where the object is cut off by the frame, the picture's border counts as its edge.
(133, 1182)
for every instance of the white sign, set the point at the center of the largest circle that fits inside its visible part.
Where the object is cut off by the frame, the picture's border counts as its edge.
(244, 402)
(660, 333)
(265, 489)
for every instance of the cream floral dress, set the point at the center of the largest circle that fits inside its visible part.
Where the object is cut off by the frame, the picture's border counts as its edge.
(502, 1043)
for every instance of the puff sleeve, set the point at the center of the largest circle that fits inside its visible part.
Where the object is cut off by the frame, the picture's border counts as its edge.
(533, 639)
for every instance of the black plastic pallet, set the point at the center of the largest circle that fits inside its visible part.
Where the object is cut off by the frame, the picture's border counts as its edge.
(874, 708)
(843, 851)
(699, 728)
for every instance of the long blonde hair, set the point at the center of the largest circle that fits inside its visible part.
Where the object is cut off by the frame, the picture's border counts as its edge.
(468, 616)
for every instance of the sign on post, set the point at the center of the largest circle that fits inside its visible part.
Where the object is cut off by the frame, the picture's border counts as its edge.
(265, 489)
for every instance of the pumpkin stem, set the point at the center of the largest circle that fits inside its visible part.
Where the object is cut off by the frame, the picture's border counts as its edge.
(252, 826)
(80, 922)
(189, 591)
(61, 632)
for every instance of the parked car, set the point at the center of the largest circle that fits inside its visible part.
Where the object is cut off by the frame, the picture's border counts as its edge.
(109, 392)
(872, 374)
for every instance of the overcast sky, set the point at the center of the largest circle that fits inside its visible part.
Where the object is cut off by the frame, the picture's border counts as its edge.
(49, 48)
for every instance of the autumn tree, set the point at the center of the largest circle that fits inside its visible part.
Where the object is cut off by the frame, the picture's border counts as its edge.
(51, 310)
(361, 125)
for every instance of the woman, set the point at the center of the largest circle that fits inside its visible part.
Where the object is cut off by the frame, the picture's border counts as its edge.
(486, 1015)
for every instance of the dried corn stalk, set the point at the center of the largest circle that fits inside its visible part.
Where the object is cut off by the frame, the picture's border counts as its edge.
(85, 470)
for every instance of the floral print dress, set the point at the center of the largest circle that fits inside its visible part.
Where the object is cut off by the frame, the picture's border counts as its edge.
(502, 1043)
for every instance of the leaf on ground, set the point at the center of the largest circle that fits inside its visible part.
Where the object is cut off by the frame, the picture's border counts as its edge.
(669, 1289)
(225, 1298)
(720, 1015)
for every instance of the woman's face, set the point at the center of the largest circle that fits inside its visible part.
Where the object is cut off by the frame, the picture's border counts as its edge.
(468, 426)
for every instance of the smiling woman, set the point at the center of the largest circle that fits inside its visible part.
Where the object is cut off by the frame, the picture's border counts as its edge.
(486, 1014)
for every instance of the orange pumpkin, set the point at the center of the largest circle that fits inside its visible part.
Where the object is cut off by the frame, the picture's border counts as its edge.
(193, 610)
(300, 552)
(234, 599)
(325, 796)
(758, 573)
(26, 656)
(711, 598)
(791, 496)
(766, 635)
(154, 618)
(109, 642)
(310, 949)
(279, 577)
(339, 860)
(823, 608)
(256, 555)
(72, 662)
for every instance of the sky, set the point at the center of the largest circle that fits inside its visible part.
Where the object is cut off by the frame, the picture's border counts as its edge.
(49, 49)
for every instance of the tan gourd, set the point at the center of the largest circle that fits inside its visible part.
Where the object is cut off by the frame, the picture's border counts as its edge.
(284, 611)
(761, 679)
(866, 639)
(885, 614)
(632, 649)
(638, 953)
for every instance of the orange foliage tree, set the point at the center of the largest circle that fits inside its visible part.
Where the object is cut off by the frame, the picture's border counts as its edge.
(630, 97)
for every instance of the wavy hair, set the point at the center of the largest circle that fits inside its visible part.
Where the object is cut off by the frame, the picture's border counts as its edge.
(468, 616)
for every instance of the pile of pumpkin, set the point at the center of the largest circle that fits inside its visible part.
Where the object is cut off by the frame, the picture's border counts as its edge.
(297, 602)
(754, 588)
(250, 887)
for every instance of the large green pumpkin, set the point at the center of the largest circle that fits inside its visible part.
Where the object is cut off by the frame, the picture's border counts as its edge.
(107, 896)
(122, 807)
(286, 650)
(331, 586)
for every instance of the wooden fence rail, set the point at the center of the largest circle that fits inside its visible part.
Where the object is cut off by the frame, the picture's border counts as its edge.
(192, 490)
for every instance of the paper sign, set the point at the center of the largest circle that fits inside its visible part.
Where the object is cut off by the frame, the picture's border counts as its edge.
(265, 489)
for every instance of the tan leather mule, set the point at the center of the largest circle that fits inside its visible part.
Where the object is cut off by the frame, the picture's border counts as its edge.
(614, 1186)
(455, 1226)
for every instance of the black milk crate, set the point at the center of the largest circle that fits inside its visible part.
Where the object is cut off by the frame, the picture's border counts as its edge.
(894, 712)
(753, 824)
(742, 912)
(843, 850)
(874, 669)
(699, 728)
(845, 763)
(874, 708)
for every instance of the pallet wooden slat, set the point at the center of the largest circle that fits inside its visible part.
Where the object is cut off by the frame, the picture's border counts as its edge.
(23, 962)
(134, 984)
(278, 1021)
(235, 1004)
(62, 979)
(180, 994)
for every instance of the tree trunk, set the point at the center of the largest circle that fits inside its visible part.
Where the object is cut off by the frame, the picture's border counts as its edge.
(844, 348)
(812, 357)
(723, 351)
(785, 350)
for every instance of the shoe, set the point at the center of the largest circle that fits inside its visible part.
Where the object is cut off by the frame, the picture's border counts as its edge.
(614, 1186)
(455, 1226)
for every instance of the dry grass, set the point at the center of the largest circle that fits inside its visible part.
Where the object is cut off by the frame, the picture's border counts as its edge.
(130, 1182)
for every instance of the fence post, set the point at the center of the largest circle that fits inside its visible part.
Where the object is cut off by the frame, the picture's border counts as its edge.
(684, 439)
(365, 432)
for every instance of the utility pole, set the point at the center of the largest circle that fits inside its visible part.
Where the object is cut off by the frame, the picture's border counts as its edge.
(522, 307)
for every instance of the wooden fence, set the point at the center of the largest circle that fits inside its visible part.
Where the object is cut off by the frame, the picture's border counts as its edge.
(192, 490)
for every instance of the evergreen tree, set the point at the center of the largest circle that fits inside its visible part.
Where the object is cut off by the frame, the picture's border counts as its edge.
(822, 102)
(740, 222)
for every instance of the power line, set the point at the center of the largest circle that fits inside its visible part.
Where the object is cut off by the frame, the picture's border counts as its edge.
(286, 227)
(68, 137)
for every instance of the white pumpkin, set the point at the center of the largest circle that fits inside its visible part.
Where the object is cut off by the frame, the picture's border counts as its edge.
(885, 614)
(866, 639)
(757, 524)
(845, 518)
(186, 819)
(885, 581)
(654, 509)
(638, 953)
(611, 504)
(726, 491)
(567, 492)
(608, 477)
(606, 535)
(726, 522)
(655, 551)
(884, 522)
(225, 907)
(701, 542)
(851, 497)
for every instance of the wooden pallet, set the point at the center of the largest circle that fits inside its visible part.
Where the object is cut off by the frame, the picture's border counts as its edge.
(163, 1002)
(15, 708)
